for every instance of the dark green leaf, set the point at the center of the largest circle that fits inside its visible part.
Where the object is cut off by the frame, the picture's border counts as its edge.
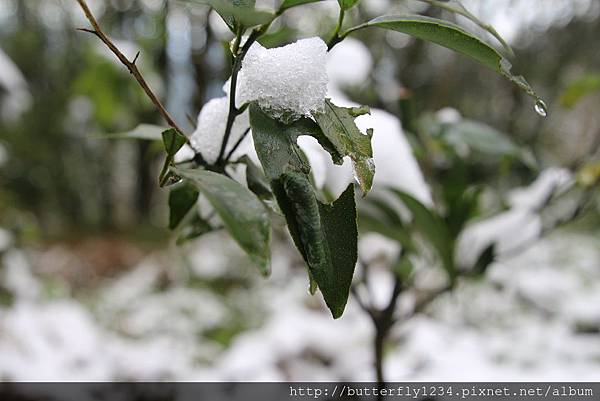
(256, 180)
(325, 235)
(452, 37)
(147, 132)
(243, 214)
(486, 258)
(347, 4)
(293, 3)
(337, 124)
(173, 141)
(433, 228)
(181, 199)
(458, 8)
(196, 227)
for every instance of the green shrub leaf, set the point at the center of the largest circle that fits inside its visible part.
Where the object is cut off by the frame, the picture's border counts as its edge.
(173, 141)
(239, 13)
(293, 3)
(453, 37)
(433, 228)
(347, 4)
(325, 234)
(181, 200)
(337, 124)
(243, 214)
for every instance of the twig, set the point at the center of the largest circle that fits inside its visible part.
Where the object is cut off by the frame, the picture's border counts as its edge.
(237, 65)
(237, 145)
(131, 66)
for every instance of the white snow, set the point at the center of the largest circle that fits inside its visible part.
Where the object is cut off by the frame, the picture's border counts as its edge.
(5, 239)
(349, 63)
(516, 228)
(212, 122)
(289, 81)
(17, 98)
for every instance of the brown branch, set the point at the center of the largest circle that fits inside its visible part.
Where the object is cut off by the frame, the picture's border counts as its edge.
(133, 70)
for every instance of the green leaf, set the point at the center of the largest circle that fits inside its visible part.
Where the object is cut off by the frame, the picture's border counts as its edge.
(181, 200)
(347, 4)
(173, 141)
(239, 13)
(433, 228)
(196, 227)
(458, 8)
(325, 235)
(452, 37)
(243, 214)
(580, 88)
(293, 3)
(256, 180)
(337, 124)
(147, 132)
(484, 260)
(486, 140)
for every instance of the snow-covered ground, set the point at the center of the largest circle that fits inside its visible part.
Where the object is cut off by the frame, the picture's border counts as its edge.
(534, 317)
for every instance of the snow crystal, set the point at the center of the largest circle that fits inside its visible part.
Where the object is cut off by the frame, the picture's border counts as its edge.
(210, 130)
(289, 81)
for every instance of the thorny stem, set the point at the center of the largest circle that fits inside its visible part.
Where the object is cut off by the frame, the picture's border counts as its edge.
(131, 66)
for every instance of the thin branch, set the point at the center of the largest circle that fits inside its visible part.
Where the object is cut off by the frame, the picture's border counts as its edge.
(237, 65)
(237, 145)
(129, 64)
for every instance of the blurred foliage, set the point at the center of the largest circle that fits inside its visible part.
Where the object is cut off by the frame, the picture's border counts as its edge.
(62, 181)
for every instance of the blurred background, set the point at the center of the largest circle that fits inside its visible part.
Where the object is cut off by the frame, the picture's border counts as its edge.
(93, 287)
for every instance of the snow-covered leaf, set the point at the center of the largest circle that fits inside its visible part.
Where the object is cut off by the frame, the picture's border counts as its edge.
(338, 126)
(326, 235)
(243, 214)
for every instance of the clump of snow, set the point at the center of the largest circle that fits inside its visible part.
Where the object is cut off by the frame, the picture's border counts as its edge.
(516, 228)
(534, 196)
(17, 98)
(210, 130)
(350, 52)
(5, 238)
(3, 155)
(289, 81)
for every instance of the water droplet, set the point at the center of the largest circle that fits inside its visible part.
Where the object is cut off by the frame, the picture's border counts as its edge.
(541, 108)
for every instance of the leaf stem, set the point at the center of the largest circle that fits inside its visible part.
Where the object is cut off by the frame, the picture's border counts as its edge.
(336, 38)
(131, 66)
